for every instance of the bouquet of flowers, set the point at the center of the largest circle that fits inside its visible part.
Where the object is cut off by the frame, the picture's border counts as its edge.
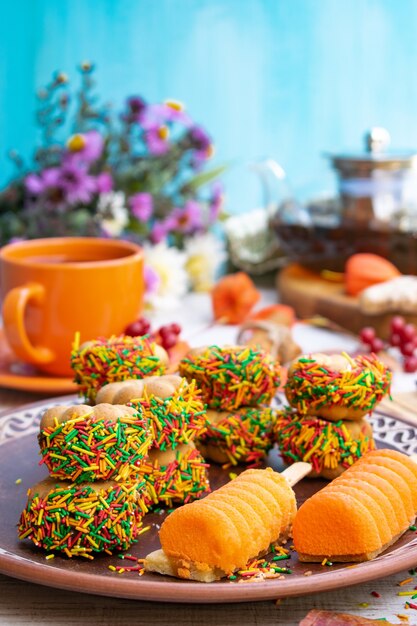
(140, 173)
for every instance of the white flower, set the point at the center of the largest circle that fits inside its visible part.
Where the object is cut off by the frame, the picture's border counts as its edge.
(205, 254)
(168, 264)
(115, 214)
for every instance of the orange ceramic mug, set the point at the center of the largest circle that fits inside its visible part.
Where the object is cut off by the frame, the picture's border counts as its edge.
(52, 288)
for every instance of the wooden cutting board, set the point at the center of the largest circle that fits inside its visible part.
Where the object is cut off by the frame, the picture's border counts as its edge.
(310, 295)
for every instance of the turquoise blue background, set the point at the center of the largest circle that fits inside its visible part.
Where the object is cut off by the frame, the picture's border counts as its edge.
(283, 78)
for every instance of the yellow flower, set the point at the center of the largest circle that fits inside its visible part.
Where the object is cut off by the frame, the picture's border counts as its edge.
(199, 274)
(76, 143)
(175, 104)
(163, 132)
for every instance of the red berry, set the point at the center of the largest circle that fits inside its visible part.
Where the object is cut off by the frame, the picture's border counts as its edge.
(410, 364)
(138, 328)
(169, 340)
(397, 324)
(408, 333)
(367, 335)
(395, 340)
(163, 331)
(377, 345)
(168, 329)
(407, 349)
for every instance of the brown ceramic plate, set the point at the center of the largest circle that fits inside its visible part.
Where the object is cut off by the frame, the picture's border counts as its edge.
(18, 460)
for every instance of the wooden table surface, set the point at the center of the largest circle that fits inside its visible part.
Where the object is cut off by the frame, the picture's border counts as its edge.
(22, 603)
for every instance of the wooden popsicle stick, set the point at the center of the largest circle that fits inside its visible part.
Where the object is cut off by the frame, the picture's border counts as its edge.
(296, 472)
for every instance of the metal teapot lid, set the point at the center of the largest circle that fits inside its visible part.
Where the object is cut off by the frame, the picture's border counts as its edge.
(376, 156)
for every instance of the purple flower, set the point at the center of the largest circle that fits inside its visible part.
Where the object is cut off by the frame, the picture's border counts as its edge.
(77, 184)
(136, 105)
(201, 144)
(156, 139)
(159, 114)
(104, 182)
(87, 147)
(34, 184)
(38, 183)
(175, 113)
(141, 205)
(152, 280)
(68, 184)
(199, 139)
(216, 201)
(189, 218)
(161, 229)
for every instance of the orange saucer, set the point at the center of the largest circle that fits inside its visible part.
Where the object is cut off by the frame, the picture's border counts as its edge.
(17, 375)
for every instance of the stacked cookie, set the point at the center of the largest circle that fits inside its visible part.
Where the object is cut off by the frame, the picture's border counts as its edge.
(237, 384)
(329, 397)
(107, 360)
(174, 469)
(95, 497)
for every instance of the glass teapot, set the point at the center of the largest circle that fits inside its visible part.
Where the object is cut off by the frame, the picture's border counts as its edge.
(375, 211)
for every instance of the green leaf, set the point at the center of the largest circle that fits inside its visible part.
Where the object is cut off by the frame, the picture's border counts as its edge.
(203, 178)
(138, 228)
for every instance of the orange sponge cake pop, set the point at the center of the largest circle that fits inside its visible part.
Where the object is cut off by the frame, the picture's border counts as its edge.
(203, 543)
(335, 526)
(213, 537)
(348, 520)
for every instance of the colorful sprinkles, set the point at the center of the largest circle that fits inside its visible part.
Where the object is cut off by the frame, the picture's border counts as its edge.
(232, 377)
(138, 567)
(262, 569)
(117, 358)
(176, 419)
(326, 445)
(255, 569)
(90, 447)
(311, 385)
(181, 481)
(80, 520)
(243, 436)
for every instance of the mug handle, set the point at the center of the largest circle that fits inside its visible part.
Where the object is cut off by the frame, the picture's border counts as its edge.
(14, 307)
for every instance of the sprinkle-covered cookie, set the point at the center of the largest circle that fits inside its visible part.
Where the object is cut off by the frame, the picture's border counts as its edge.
(80, 520)
(97, 363)
(83, 443)
(232, 376)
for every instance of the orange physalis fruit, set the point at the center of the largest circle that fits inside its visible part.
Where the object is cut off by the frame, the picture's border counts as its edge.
(363, 270)
(233, 297)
